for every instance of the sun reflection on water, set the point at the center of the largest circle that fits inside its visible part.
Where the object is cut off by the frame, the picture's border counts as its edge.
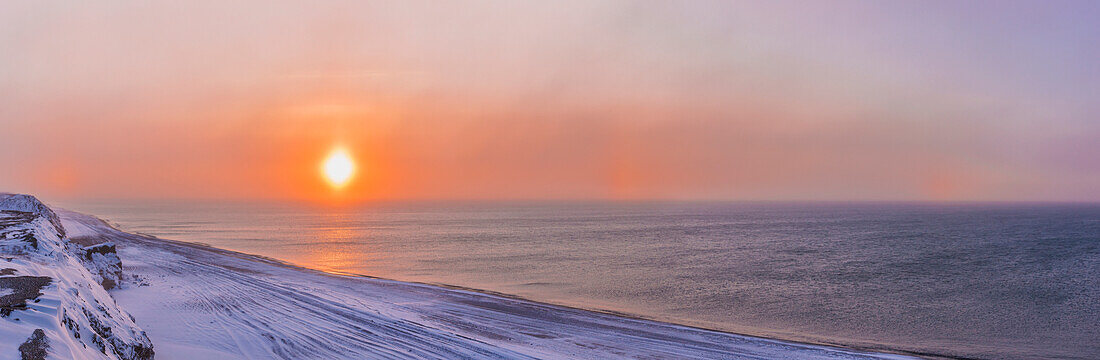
(337, 246)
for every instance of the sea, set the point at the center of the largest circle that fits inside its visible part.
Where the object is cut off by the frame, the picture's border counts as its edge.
(957, 280)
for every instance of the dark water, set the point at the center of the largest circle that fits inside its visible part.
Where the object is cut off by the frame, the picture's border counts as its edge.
(1004, 281)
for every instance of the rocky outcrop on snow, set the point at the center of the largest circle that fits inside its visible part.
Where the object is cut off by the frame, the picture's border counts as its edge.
(53, 291)
(29, 204)
(103, 262)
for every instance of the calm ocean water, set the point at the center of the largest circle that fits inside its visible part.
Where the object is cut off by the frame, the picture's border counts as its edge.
(1014, 281)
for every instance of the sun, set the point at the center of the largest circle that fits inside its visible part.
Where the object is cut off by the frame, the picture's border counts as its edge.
(338, 168)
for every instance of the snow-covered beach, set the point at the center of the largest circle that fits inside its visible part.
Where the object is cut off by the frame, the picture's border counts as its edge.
(199, 302)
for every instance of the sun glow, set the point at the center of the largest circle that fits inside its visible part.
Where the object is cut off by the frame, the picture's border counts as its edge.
(338, 168)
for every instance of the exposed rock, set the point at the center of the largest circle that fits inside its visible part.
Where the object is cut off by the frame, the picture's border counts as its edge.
(35, 347)
(102, 249)
(20, 289)
(12, 217)
(103, 262)
(108, 284)
(31, 240)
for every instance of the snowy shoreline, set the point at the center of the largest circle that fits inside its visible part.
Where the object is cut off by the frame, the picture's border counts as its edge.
(200, 302)
(424, 321)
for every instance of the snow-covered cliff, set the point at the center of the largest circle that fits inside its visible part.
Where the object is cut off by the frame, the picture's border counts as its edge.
(53, 291)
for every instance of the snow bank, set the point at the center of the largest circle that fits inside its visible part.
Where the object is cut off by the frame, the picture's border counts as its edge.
(55, 303)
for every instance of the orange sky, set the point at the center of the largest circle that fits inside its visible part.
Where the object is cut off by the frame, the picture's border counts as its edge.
(843, 100)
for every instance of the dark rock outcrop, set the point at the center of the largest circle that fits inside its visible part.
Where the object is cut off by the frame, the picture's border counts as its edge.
(36, 347)
(20, 289)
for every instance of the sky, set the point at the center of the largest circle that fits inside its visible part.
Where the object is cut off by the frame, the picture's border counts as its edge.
(692, 100)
